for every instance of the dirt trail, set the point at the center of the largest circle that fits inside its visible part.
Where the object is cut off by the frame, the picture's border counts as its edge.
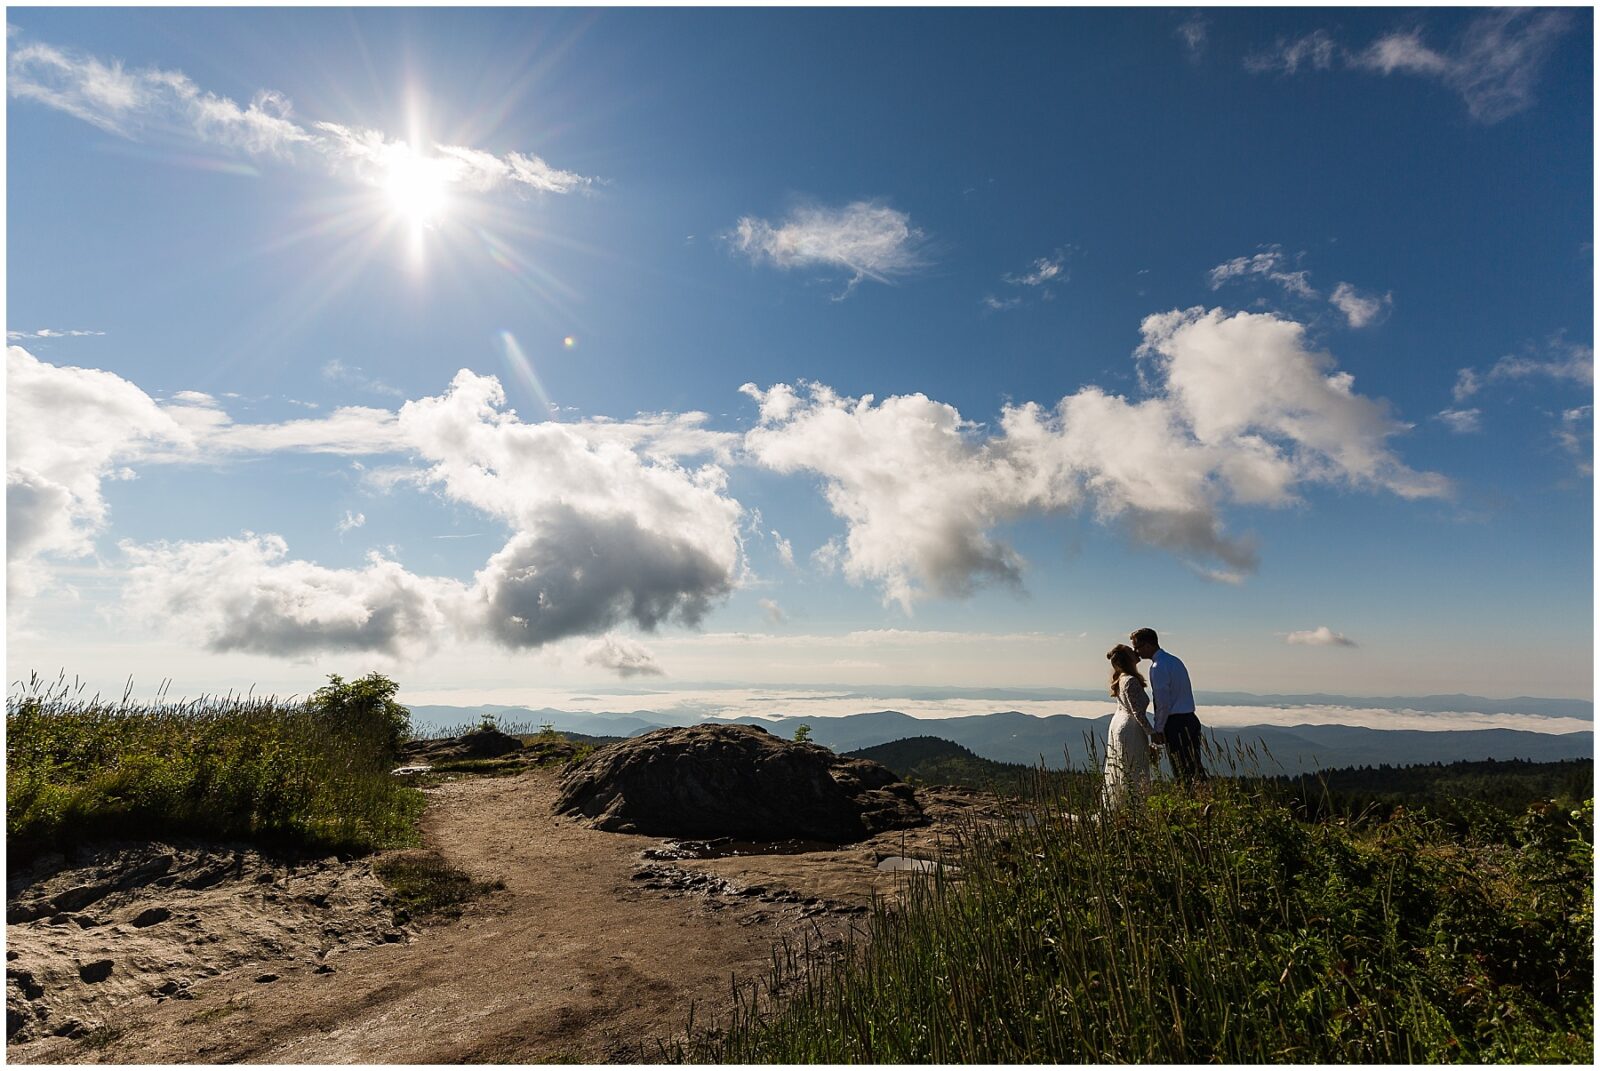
(588, 951)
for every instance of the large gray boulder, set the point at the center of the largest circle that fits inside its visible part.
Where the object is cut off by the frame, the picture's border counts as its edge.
(735, 781)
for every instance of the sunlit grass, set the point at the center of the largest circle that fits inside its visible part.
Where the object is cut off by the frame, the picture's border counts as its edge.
(270, 770)
(1204, 927)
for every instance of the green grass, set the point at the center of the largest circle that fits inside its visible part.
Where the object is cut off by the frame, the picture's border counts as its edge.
(301, 775)
(1209, 928)
(425, 885)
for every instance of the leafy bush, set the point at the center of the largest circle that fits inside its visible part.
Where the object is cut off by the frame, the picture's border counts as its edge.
(1204, 929)
(313, 774)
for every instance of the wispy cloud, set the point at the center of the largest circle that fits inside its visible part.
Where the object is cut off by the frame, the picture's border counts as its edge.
(1269, 264)
(1322, 636)
(1557, 359)
(774, 613)
(1192, 32)
(1360, 310)
(1494, 64)
(350, 521)
(144, 102)
(1041, 278)
(868, 239)
(1461, 421)
(1575, 433)
(336, 371)
(622, 656)
(1316, 50)
(47, 332)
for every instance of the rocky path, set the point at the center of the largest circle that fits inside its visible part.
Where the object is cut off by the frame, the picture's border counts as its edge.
(589, 953)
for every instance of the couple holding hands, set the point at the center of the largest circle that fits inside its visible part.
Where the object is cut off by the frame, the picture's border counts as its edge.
(1136, 731)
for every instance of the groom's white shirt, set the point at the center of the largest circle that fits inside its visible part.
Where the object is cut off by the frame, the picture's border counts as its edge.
(1170, 691)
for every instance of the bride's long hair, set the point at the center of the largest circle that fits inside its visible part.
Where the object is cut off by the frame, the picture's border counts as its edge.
(1124, 663)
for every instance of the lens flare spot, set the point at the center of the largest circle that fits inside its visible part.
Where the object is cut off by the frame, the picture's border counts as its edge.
(522, 371)
(570, 342)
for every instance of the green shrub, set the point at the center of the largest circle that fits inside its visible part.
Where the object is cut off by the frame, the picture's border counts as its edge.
(312, 774)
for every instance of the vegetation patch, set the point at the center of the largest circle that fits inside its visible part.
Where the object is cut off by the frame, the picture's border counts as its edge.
(311, 774)
(1219, 927)
(424, 885)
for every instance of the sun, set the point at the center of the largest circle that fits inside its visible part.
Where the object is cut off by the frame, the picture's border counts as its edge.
(416, 188)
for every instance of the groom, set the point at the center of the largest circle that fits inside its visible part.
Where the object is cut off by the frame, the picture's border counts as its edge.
(1173, 698)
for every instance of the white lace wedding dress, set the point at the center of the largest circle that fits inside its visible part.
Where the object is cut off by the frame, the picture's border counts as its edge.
(1128, 747)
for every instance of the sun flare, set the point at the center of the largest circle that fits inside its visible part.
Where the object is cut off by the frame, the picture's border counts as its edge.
(416, 188)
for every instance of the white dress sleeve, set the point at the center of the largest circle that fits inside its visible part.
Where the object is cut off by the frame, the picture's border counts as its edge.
(1137, 701)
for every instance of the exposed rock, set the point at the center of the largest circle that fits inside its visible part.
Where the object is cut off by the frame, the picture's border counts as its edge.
(168, 915)
(478, 744)
(735, 780)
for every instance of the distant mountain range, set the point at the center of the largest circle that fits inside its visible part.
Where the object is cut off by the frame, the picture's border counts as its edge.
(1062, 740)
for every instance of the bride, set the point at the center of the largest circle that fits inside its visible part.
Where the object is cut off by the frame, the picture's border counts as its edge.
(1131, 736)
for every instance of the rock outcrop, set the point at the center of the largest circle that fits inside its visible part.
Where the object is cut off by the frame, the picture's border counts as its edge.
(478, 744)
(738, 781)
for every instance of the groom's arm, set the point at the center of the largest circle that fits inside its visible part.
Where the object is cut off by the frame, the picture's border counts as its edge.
(1160, 697)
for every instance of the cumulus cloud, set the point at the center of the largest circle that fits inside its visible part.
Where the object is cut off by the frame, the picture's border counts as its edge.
(1269, 264)
(607, 526)
(1359, 309)
(350, 521)
(868, 239)
(247, 595)
(1244, 411)
(152, 102)
(622, 656)
(67, 431)
(1322, 636)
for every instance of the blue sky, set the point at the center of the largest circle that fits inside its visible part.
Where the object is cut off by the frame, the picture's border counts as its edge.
(1269, 329)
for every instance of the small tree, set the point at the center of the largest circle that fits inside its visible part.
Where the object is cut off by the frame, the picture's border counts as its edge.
(366, 702)
(802, 734)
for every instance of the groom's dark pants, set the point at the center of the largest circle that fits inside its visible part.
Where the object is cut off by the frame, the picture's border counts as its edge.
(1183, 747)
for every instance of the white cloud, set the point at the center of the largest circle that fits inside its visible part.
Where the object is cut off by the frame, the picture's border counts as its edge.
(774, 613)
(1559, 360)
(1494, 65)
(607, 528)
(1359, 309)
(866, 238)
(247, 595)
(1044, 270)
(622, 656)
(1192, 31)
(336, 371)
(67, 430)
(994, 304)
(1461, 421)
(1316, 50)
(1575, 433)
(1322, 636)
(1245, 412)
(785, 549)
(350, 521)
(1468, 383)
(150, 101)
(1269, 264)
(48, 332)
